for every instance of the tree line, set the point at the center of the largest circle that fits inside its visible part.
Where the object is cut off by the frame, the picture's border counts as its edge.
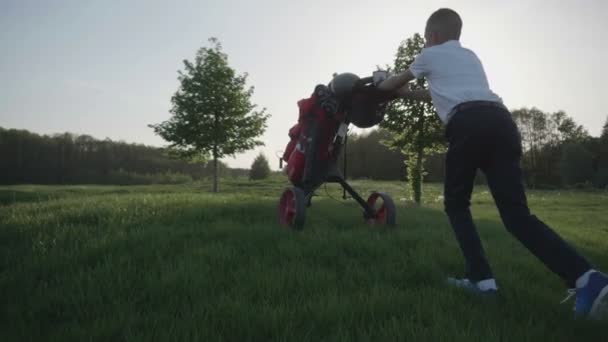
(558, 152)
(66, 158)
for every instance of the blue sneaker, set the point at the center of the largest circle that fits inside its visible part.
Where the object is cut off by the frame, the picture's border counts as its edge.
(592, 298)
(484, 287)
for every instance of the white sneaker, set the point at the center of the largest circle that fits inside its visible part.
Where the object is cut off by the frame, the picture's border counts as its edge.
(485, 287)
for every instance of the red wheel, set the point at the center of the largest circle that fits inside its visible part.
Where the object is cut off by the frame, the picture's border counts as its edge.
(292, 208)
(384, 209)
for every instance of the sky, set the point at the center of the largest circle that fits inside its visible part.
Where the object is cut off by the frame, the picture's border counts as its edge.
(109, 68)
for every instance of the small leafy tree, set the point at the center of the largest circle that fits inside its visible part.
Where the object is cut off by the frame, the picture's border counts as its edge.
(417, 130)
(212, 113)
(260, 168)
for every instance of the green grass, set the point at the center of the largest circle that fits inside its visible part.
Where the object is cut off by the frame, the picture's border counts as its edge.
(175, 263)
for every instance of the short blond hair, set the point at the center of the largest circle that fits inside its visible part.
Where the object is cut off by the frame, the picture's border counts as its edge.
(446, 22)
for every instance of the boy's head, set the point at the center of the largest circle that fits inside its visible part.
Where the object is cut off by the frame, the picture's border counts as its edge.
(443, 25)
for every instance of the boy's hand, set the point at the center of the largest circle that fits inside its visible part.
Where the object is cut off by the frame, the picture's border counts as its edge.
(404, 91)
(379, 76)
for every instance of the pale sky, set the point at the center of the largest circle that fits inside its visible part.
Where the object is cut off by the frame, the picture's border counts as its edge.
(109, 68)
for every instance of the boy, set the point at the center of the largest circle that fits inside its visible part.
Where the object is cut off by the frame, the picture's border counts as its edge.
(482, 135)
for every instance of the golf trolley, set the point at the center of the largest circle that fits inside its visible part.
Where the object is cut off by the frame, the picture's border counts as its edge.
(318, 140)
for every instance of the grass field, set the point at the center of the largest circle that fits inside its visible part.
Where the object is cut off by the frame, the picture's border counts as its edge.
(176, 263)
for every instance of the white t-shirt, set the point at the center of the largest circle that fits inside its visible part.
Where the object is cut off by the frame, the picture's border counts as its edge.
(455, 75)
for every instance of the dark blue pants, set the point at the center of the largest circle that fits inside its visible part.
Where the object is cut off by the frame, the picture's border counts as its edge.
(487, 138)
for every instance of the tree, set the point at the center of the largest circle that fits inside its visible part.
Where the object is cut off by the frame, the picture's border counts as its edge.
(260, 168)
(601, 176)
(417, 130)
(543, 136)
(369, 158)
(572, 132)
(212, 113)
(576, 165)
(532, 124)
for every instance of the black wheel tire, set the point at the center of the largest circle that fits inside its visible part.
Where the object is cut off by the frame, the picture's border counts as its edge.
(385, 212)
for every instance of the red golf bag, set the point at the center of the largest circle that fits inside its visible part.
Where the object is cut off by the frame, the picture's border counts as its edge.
(318, 122)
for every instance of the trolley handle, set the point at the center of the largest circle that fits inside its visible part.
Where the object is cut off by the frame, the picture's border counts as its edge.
(365, 81)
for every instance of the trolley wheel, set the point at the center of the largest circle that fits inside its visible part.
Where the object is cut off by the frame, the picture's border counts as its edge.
(292, 208)
(384, 209)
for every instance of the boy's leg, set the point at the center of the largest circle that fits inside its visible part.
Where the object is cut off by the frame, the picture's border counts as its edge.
(461, 167)
(505, 180)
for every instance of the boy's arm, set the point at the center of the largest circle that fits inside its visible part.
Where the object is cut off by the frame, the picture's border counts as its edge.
(396, 81)
(415, 95)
